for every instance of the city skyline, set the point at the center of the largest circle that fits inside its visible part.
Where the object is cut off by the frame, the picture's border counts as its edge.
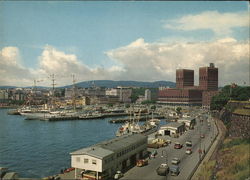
(143, 41)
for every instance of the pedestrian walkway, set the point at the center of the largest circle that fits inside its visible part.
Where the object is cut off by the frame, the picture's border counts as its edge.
(213, 149)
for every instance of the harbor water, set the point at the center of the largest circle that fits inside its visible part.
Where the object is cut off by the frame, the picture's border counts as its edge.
(34, 148)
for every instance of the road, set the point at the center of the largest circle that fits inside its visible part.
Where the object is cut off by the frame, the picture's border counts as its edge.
(166, 154)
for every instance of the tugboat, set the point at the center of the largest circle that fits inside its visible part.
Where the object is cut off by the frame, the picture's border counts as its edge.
(148, 127)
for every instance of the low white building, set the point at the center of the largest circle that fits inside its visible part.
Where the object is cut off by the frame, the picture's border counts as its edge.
(107, 157)
(189, 122)
(172, 129)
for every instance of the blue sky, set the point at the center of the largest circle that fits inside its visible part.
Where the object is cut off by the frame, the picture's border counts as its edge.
(89, 30)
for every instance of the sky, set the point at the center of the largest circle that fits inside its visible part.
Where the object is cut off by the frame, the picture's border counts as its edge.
(117, 40)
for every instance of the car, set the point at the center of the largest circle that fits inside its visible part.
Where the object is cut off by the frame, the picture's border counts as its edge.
(175, 161)
(174, 170)
(177, 145)
(153, 154)
(141, 162)
(163, 169)
(118, 175)
(188, 151)
(202, 136)
(189, 143)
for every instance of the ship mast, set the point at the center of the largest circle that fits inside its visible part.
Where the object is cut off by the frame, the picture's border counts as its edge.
(53, 90)
(74, 92)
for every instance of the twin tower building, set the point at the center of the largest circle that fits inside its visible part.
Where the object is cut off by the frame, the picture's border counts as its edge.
(186, 94)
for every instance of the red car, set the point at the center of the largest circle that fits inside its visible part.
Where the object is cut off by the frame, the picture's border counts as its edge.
(177, 145)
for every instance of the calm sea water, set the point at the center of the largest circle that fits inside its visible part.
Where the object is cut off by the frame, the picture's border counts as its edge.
(39, 148)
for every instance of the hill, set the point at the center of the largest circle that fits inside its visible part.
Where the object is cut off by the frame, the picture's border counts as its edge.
(112, 84)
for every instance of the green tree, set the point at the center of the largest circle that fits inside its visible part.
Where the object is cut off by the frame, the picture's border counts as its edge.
(178, 110)
(228, 92)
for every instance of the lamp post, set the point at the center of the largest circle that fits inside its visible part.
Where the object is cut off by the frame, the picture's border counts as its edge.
(162, 155)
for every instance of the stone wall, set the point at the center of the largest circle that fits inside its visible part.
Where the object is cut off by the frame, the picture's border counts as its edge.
(238, 125)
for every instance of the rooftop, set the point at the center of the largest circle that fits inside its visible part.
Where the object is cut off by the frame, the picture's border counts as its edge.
(173, 124)
(109, 147)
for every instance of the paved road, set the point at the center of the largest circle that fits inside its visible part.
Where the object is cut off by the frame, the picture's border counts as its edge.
(188, 162)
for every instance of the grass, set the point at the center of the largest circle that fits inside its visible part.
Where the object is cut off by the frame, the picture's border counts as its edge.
(248, 102)
(242, 112)
(234, 159)
(206, 170)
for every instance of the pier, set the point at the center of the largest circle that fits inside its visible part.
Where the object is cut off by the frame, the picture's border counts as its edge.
(142, 118)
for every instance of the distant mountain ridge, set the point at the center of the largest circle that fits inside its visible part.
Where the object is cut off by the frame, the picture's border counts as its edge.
(111, 84)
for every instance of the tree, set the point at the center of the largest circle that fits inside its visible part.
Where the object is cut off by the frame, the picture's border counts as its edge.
(229, 92)
(178, 110)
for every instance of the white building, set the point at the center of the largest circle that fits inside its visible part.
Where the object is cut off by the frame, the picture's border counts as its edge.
(107, 157)
(124, 93)
(172, 129)
(4, 95)
(147, 95)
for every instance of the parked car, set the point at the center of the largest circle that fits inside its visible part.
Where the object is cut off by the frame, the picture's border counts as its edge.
(175, 161)
(189, 143)
(177, 145)
(189, 151)
(118, 175)
(163, 169)
(141, 162)
(174, 170)
(202, 135)
(153, 154)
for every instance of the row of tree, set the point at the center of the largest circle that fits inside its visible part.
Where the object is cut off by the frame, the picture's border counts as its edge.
(230, 92)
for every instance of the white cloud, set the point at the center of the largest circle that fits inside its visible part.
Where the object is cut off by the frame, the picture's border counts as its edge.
(11, 69)
(158, 61)
(138, 60)
(219, 23)
(51, 61)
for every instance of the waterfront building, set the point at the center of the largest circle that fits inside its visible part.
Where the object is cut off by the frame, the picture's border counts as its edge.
(147, 95)
(140, 99)
(4, 95)
(184, 78)
(104, 100)
(208, 78)
(174, 129)
(186, 94)
(108, 157)
(180, 97)
(124, 93)
(207, 97)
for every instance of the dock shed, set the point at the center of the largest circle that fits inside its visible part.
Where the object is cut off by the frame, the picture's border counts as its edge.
(106, 158)
(172, 129)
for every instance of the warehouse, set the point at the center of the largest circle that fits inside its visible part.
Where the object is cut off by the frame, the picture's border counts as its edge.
(106, 158)
(174, 129)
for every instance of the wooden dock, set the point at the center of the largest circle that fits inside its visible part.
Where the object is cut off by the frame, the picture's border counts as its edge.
(142, 118)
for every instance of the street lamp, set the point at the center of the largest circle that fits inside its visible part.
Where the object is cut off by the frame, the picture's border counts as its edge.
(164, 151)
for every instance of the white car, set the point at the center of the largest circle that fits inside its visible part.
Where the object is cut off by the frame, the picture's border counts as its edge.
(118, 175)
(189, 151)
(175, 161)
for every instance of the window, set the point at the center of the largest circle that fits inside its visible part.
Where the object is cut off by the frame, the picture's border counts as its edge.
(93, 161)
(86, 161)
(78, 159)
